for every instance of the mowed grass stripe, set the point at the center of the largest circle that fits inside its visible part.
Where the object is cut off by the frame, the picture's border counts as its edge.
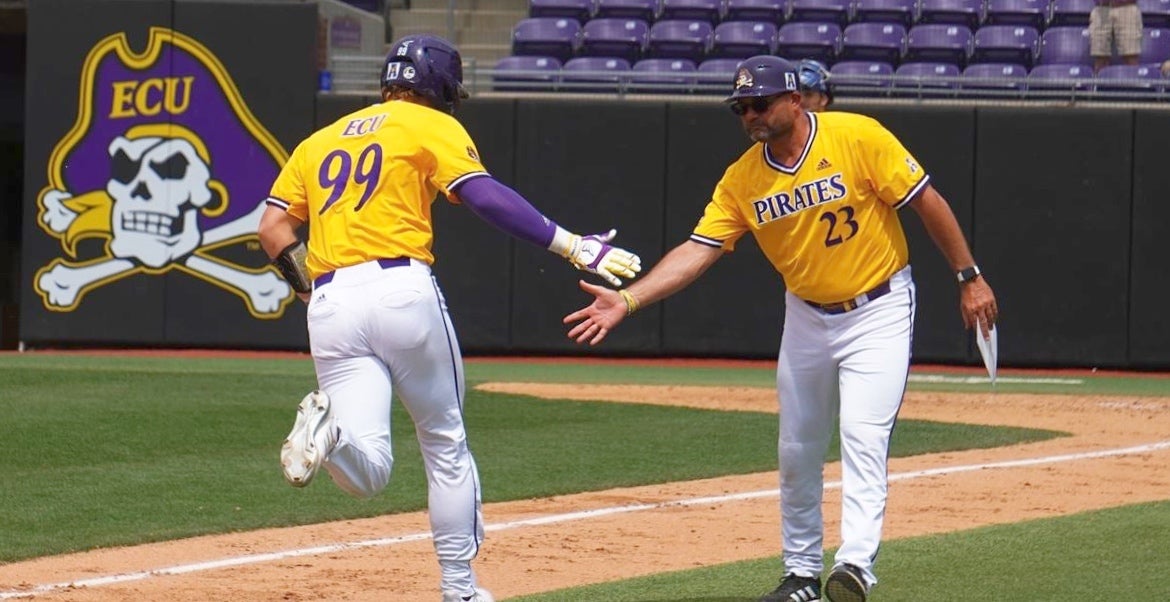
(566, 371)
(1114, 554)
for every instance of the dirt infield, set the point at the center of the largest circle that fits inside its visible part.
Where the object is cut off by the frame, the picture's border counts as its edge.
(538, 545)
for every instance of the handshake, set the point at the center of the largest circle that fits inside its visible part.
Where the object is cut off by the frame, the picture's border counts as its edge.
(594, 254)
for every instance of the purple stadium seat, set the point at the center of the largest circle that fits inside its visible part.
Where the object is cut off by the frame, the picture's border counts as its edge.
(1033, 13)
(881, 42)
(539, 73)
(770, 11)
(954, 12)
(667, 76)
(1065, 46)
(622, 38)
(1155, 46)
(1155, 13)
(918, 76)
(581, 10)
(862, 74)
(1061, 77)
(692, 10)
(741, 39)
(594, 74)
(1017, 44)
(715, 76)
(822, 11)
(546, 36)
(939, 43)
(884, 11)
(818, 41)
(1066, 13)
(1130, 78)
(680, 39)
(645, 10)
(721, 66)
(995, 76)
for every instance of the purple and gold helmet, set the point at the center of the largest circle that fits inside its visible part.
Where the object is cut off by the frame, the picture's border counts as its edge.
(430, 66)
(764, 75)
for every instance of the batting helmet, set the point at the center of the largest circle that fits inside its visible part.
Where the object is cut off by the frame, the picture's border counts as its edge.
(430, 66)
(814, 76)
(763, 75)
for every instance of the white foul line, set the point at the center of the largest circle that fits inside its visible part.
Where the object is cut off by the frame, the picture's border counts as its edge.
(983, 380)
(553, 519)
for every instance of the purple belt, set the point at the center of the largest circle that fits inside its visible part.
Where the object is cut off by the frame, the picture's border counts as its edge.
(854, 303)
(397, 262)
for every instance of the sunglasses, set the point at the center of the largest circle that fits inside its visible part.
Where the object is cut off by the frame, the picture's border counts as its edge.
(759, 104)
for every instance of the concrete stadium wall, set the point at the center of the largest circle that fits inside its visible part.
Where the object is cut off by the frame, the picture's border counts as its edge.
(1064, 207)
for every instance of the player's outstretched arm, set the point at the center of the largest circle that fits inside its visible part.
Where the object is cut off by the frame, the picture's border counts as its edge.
(505, 209)
(681, 266)
(977, 300)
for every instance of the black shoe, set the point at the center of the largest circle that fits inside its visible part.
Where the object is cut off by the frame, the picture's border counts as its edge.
(795, 589)
(846, 584)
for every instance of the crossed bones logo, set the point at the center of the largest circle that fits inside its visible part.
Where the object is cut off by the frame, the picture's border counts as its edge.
(160, 182)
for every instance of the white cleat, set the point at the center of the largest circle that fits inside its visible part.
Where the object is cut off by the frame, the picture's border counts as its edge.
(313, 436)
(480, 595)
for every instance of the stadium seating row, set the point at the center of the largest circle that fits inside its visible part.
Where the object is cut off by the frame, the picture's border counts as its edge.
(634, 39)
(861, 77)
(970, 13)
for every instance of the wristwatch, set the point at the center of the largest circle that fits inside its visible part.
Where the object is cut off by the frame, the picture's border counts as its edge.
(968, 274)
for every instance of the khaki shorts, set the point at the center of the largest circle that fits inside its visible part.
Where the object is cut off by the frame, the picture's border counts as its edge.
(1120, 25)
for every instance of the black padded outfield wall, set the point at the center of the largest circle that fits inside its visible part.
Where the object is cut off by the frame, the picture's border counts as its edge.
(590, 167)
(1149, 290)
(1053, 196)
(154, 130)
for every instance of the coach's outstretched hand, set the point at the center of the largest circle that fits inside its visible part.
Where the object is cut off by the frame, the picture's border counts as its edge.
(606, 312)
(594, 254)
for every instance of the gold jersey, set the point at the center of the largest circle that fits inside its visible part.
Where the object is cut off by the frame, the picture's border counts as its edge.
(829, 222)
(365, 183)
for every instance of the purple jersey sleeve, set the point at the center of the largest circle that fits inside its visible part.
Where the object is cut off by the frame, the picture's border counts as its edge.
(505, 209)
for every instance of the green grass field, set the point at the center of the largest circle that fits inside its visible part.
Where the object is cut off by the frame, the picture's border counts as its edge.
(1115, 554)
(104, 451)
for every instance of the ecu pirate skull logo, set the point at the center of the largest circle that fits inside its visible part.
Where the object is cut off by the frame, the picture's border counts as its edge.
(167, 164)
(744, 79)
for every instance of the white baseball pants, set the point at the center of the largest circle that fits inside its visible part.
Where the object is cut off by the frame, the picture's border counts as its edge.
(374, 331)
(850, 367)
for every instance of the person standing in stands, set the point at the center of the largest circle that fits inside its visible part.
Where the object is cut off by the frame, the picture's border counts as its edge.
(1115, 24)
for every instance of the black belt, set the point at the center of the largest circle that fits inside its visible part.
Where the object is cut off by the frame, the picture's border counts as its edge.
(854, 303)
(397, 262)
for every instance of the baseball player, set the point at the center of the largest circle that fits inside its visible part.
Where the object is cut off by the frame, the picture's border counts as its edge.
(815, 94)
(820, 192)
(377, 319)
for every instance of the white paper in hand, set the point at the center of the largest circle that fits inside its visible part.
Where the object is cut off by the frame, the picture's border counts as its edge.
(988, 348)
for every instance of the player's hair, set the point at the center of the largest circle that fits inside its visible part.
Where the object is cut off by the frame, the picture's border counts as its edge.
(402, 93)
